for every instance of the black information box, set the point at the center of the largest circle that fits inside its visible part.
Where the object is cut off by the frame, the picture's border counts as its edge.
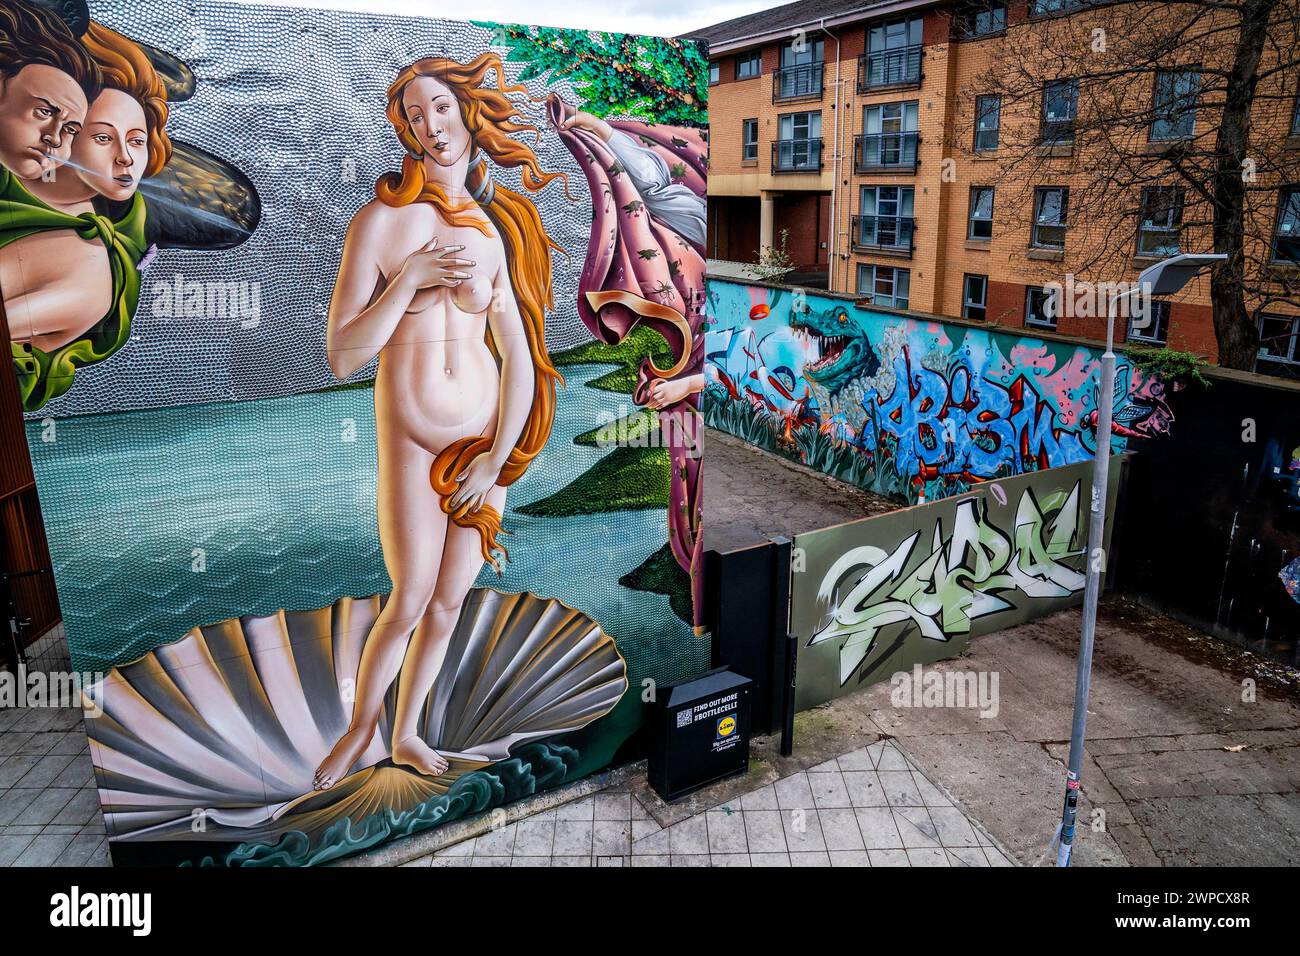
(699, 732)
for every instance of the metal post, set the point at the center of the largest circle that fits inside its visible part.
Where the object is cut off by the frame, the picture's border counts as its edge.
(791, 677)
(16, 656)
(1095, 563)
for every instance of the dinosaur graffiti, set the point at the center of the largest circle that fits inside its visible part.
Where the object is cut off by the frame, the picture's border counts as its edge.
(843, 347)
(968, 574)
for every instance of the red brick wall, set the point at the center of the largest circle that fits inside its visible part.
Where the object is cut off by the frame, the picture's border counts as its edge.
(733, 228)
(935, 28)
(1191, 329)
(1006, 303)
(1191, 326)
(807, 217)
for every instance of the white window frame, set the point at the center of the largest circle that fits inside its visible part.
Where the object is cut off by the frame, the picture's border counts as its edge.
(1031, 321)
(1157, 331)
(1292, 354)
(874, 271)
(967, 303)
(746, 146)
(971, 218)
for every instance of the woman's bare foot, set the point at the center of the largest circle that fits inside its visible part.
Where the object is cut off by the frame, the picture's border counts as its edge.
(341, 758)
(414, 752)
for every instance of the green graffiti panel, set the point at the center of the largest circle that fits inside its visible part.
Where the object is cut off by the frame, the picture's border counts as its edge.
(873, 597)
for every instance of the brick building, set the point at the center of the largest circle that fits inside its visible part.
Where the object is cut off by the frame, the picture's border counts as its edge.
(879, 136)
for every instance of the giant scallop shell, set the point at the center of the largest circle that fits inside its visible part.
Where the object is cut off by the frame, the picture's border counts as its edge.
(229, 724)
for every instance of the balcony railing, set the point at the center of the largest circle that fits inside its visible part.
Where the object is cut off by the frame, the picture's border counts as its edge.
(901, 67)
(892, 234)
(876, 152)
(797, 156)
(798, 83)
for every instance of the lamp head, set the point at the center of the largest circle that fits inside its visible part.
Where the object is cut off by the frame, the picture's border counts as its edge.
(1169, 275)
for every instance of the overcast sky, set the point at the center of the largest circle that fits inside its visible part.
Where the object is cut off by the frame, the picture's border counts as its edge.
(662, 17)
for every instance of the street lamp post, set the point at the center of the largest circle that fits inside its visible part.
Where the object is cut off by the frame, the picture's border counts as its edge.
(1164, 278)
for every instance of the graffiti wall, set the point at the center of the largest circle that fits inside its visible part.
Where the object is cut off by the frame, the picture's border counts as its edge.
(902, 405)
(873, 597)
(1222, 499)
(361, 359)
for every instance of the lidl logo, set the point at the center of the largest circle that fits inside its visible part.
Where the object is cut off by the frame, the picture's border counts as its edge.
(726, 726)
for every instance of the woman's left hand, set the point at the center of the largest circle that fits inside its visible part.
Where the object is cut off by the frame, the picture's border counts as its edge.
(665, 392)
(475, 483)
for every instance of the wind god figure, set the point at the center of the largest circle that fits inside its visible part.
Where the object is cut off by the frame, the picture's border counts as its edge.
(645, 266)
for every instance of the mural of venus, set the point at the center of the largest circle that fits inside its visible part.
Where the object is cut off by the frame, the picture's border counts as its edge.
(362, 359)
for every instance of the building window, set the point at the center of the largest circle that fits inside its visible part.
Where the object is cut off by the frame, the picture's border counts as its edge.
(801, 70)
(749, 65)
(1279, 345)
(988, 123)
(1051, 214)
(799, 146)
(1060, 108)
(1043, 8)
(1174, 104)
(1295, 117)
(884, 285)
(885, 218)
(893, 56)
(974, 297)
(1152, 328)
(714, 72)
(1040, 310)
(975, 20)
(1160, 222)
(889, 139)
(1286, 237)
(801, 52)
(980, 225)
(749, 141)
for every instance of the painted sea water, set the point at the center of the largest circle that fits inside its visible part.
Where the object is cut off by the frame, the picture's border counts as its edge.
(214, 511)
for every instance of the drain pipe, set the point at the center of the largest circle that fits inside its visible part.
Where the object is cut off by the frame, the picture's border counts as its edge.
(832, 244)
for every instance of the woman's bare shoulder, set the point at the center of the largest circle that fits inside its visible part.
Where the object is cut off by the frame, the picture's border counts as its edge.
(379, 215)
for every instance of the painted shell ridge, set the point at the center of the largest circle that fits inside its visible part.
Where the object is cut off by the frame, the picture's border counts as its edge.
(217, 736)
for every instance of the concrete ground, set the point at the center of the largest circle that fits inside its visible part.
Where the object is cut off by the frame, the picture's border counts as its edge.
(868, 807)
(49, 807)
(751, 495)
(1184, 771)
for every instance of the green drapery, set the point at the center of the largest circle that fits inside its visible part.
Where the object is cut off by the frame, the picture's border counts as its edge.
(46, 375)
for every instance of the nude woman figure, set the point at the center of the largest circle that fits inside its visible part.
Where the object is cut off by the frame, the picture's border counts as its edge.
(442, 260)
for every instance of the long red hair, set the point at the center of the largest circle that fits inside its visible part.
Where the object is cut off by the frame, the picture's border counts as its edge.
(490, 116)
